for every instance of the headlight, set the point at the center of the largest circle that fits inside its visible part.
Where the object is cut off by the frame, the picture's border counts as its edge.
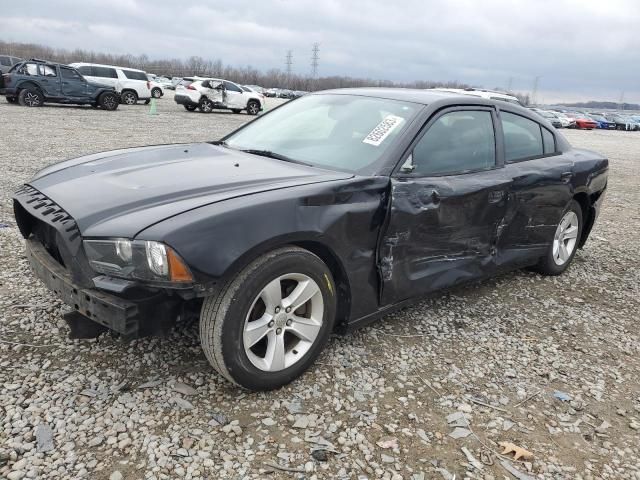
(138, 259)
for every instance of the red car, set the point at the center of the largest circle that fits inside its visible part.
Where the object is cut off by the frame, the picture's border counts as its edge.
(582, 122)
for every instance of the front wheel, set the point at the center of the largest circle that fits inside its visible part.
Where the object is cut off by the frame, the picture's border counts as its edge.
(253, 107)
(565, 242)
(271, 321)
(156, 92)
(108, 101)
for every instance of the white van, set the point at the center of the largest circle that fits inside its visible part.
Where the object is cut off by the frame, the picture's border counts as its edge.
(132, 84)
(478, 92)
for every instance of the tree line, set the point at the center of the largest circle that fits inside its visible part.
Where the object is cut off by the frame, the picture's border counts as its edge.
(248, 75)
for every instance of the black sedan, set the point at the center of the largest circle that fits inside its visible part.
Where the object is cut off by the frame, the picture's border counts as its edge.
(324, 214)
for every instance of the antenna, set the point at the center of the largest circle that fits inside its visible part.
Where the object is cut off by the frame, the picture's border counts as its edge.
(314, 59)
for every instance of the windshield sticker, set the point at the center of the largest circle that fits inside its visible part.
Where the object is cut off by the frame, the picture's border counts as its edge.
(382, 130)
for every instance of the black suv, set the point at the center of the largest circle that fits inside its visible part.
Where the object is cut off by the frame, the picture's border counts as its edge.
(33, 82)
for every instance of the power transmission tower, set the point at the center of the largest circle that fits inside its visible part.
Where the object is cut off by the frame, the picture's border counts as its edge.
(289, 62)
(621, 102)
(314, 59)
(534, 93)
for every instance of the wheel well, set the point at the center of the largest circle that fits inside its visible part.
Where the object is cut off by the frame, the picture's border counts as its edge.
(343, 290)
(129, 90)
(253, 100)
(585, 205)
(24, 85)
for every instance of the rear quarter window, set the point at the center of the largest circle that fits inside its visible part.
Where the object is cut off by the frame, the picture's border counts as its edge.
(133, 75)
(5, 61)
(86, 70)
(522, 137)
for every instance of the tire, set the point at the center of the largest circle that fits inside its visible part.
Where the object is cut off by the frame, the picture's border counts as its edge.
(190, 108)
(253, 107)
(30, 97)
(147, 101)
(225, 317)
(554, 263)
(129, 97)
(156, 92)
(12, 100)
(205, 105)
(108, 101)
(236, 110)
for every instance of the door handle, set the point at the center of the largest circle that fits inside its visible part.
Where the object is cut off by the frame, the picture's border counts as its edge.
(495, 196)
(566, 177)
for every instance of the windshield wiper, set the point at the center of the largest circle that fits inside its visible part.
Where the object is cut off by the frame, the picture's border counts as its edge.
(270, 154)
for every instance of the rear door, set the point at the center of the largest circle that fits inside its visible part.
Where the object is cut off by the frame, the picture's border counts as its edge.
(448, 202)
(73, 84)
(235, 96)
(49, 81)
(541, 185)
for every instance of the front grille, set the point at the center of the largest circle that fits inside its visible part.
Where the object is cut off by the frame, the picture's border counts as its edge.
(38, 215)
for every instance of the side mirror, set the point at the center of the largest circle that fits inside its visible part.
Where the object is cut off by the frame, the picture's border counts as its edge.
(408, 166)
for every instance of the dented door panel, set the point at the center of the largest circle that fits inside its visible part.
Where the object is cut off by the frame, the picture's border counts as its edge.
(441, 231)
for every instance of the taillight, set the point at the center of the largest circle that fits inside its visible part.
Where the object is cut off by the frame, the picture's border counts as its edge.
(190, 87)
(149, 85)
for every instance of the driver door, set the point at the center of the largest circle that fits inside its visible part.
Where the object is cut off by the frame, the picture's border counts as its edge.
(73, 84)
(448, 202)
(235, 97)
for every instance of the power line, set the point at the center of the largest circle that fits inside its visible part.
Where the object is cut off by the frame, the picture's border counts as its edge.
(315, 57)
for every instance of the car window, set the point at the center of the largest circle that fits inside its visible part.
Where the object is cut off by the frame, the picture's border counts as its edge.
(133, 75)
(47, 71)
(86, 70)
(69, 73)
(456, 142)
(231, 87)
(522, 137)
(548, 141)
(347, 132)
(27, 69)
(5, 61)
(104, 72)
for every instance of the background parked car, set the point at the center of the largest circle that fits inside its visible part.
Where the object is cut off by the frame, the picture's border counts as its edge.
(32, 83)
(583, 121)
(8, 61)
(213, 93)
(566, 121)
(131, 84)
(622, 123)
(551, 117)
(602, 122)
(158, 84)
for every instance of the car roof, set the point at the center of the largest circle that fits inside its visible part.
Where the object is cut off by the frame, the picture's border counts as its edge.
(108, 66)
(414, 95)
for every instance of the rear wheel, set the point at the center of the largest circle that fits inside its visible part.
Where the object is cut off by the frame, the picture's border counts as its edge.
(206, 105)
(190, 108)
(253, 107)
(156, 92)
(31, 97)
(270, 322)
(129, 97)
(565, 242)
(108, 101)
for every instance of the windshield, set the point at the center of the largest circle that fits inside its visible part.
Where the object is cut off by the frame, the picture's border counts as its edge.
(346, 132)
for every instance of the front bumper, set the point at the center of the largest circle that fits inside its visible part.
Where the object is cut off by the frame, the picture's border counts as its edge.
(121, 315)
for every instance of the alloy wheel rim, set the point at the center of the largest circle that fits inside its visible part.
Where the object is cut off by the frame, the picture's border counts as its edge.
(206, 106)
(129, 99)
(32, 99)
(565, 239)
(253, 108)
(283, 322)
(109, 102)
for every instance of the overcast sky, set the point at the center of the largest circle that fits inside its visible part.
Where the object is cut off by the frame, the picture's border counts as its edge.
(586, 49)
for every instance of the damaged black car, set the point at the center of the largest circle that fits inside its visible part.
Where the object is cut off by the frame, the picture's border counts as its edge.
(322, 215)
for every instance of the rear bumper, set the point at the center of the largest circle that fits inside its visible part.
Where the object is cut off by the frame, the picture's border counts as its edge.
(184, 100)
(7, 91)
(121, 315)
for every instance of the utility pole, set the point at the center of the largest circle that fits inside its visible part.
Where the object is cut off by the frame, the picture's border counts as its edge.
(621, 102)
(288, 63)
(534, 93)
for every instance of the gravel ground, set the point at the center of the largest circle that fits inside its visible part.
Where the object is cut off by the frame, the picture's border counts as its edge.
(551, 365)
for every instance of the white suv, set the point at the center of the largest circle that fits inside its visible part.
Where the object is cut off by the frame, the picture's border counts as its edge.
(209, 94)
(131, 84)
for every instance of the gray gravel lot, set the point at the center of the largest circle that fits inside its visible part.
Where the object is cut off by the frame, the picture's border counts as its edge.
(549, 364)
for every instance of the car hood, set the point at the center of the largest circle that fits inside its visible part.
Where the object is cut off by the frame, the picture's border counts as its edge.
(122, 192)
